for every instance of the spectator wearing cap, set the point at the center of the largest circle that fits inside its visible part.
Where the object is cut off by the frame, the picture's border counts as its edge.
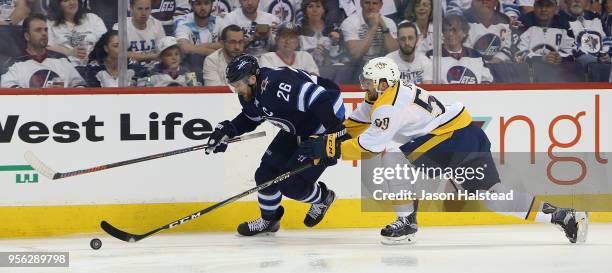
(460, 64)
(169, 71)
(587, 30)
(286, 53)
(514, 8)
(72, 30)
(39, 67)
(544, 37)
(368, 34)
(233, 42)
(197, 32)
(258, 26)
(144, 32)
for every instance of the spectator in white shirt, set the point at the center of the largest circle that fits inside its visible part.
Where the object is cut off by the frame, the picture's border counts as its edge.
(414, 66)
(257, 26)
(286, 53)
(233, 42)
(317, 36)
(169, 71)
(197, 33)
(72, 30)
(369, 34)
(103, 67)
(420, 13)
(144, 32)
(39, 67)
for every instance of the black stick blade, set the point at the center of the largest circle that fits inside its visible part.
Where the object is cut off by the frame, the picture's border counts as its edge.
(117, 233)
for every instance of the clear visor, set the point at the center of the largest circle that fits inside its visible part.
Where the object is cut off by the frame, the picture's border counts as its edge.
(366, 84)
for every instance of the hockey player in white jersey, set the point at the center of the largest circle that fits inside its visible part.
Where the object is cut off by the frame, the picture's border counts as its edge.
(430, 133)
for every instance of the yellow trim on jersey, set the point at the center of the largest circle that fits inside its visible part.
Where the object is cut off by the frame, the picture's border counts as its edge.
(462, 120)
(352, 150)
(387, 98)
(355, 127)
(432, 142)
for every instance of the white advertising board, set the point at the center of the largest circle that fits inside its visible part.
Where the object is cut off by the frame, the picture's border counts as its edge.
(71, 132)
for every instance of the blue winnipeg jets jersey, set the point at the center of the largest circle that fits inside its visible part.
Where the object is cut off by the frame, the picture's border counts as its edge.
(293, 100)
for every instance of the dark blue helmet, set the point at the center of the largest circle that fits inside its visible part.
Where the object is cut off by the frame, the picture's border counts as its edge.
(241, 67)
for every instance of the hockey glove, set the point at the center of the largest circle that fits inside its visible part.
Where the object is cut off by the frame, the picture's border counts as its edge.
(323, 149)
(217, 140)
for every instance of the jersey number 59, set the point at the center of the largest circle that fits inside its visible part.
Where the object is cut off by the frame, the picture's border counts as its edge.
(429, 103)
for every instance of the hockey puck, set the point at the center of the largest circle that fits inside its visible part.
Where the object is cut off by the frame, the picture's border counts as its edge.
(95, 243)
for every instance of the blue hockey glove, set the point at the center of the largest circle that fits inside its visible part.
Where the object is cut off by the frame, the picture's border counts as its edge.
(217, 140)
(323, 149)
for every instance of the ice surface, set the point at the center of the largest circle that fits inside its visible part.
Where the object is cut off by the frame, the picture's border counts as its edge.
(474, 249)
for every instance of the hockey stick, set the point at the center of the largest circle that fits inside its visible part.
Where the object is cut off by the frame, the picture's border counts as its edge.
(45, 170)
(131, 238)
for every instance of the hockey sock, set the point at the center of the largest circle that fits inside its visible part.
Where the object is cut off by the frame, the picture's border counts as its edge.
(268, 204)
(522, 206)
(403, 210)
(315, 195)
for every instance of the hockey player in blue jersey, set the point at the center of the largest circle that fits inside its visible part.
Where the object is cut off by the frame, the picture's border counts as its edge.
(309, 111)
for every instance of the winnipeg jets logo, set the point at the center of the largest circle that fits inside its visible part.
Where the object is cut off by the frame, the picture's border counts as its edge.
(589, 43)
(242, 64)
(264, 84)
(283, 10)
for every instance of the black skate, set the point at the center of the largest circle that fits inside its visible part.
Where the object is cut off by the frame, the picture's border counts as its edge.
(317, 211)
(261, 226)
(574, 224)
(401, 231)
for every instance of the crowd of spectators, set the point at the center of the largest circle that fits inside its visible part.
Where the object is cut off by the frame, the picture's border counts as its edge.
(71, 43)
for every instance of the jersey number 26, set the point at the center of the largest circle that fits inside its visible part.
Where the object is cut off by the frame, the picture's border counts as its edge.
(284, 91)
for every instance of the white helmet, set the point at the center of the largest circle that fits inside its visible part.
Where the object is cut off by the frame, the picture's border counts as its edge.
(381, 68)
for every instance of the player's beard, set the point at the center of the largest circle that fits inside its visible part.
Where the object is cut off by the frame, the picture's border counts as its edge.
(372, 95)
(249, 97)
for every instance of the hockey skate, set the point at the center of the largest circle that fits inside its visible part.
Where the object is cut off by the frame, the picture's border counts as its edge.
(261, 226)
(401, 231)
(317, 211)
(574, 224)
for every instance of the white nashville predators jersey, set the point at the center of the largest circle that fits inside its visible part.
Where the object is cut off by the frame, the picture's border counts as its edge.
(400, 114)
